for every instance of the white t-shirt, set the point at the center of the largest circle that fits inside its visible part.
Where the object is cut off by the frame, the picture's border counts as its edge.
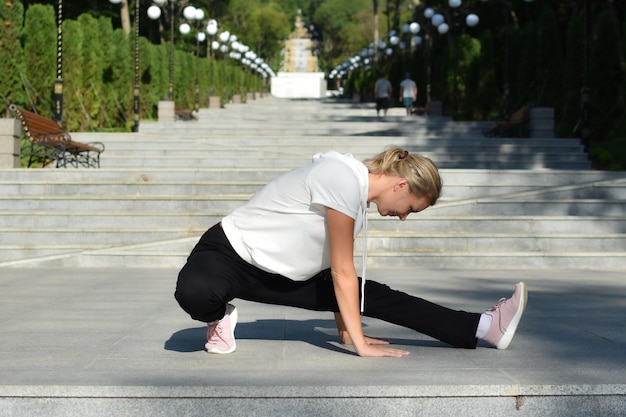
(282, 229)
(383, 88)
(407, 88)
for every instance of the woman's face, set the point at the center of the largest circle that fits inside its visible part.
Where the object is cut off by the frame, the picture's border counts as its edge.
(399, 201)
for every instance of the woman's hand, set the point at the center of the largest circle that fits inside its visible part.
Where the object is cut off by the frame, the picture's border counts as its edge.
(379, 351)
(377, 344)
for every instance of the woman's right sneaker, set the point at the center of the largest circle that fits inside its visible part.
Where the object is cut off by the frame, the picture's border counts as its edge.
(506, 315)
(221, 333)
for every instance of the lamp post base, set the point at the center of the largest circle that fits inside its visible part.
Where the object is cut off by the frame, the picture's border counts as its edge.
(10, 132)
(214, 102)
(166, 111)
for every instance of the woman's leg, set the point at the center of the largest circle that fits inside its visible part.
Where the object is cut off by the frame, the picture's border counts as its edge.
(316, 293)
(457, 328)
(210, 278)
(205, 284)
(215, 274)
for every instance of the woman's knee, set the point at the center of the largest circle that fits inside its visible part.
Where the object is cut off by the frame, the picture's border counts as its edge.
(197, 294)
(205, 284)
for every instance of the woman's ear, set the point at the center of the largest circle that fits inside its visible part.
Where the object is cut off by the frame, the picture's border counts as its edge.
(400, 184)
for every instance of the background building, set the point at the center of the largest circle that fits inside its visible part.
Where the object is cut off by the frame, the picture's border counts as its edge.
(299, 76)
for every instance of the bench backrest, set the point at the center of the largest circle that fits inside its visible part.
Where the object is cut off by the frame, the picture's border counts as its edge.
(40, 129)
(521, 115)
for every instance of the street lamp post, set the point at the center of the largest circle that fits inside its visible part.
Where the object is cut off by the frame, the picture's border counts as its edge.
(224, 48)
(237, 95)
(432, 20)
(505, 76)
(376, 36)
(154, 13)
(194, 15)
(211, 30)
(585, 132)
(436, 21)
(136, 85)
(471, 20)
(58, 83)
(245, 57)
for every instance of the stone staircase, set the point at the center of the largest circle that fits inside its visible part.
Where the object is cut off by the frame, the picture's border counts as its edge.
(507, 203)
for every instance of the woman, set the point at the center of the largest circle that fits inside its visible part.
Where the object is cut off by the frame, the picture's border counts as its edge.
(292, 244)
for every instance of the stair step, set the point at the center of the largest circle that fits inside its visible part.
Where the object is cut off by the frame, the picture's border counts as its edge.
(500, 260)
(385, 259)
(507, 202)
(494, 242)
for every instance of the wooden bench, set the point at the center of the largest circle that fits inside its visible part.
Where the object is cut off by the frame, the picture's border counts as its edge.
(47, 141)
(511, 128)
(184, 115)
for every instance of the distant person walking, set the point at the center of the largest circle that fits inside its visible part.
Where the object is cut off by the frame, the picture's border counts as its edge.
(382, 93)
(408, 93)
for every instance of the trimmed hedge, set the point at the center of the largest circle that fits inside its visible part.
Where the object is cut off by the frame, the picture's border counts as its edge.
(99, 70)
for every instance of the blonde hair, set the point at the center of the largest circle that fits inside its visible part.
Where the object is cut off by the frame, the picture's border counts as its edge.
(421, 172)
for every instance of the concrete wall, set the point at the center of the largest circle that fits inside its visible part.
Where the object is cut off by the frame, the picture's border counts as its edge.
(10, 130)
(542, 122)
(299, 85)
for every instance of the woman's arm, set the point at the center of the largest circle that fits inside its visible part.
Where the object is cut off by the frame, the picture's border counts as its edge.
(345, 337)
(346, 284)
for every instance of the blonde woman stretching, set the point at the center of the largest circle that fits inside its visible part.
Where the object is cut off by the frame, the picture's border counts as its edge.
(293, 244)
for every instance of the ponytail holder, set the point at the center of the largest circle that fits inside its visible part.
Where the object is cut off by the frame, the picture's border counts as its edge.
(403, 155)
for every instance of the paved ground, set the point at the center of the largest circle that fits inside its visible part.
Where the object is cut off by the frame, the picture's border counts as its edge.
(122, 327)
(95, 334)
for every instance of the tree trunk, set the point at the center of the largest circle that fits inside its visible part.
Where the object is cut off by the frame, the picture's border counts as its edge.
(125, 16)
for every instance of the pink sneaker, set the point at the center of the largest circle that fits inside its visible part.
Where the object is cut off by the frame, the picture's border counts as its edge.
(221, 333)
(506, 316)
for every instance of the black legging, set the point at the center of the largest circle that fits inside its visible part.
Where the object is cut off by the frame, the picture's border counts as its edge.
(214, 275)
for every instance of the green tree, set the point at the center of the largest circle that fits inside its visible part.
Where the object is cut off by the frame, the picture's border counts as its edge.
(154, 70)
(524, 76)
(469, 53)
(335, 20)
(262, 25)
(93, 52)
(440, 58)
(118, 78)
(40, 57)
(153, 79)
(184, 80)
(572, 79)
(606, 77)
(478, 95)
(204, 80)
(105, 100)
(274, 28)
(73, 81)
(550, 61)
(516, 91)
(11, 55)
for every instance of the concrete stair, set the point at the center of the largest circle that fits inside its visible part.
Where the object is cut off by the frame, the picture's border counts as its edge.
(507, 203)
